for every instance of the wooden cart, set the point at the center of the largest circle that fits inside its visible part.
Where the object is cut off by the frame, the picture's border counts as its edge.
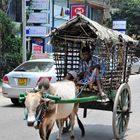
(115, 52)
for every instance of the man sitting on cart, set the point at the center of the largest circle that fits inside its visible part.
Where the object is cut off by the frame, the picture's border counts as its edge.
(89, 70)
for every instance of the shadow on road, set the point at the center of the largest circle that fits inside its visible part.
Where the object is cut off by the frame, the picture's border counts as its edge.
(12, 106)
(92, 132)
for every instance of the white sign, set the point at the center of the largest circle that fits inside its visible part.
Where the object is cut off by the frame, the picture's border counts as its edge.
(37, 18)
(36, 31)
(119, 24)
(60, 12)
(40, 4)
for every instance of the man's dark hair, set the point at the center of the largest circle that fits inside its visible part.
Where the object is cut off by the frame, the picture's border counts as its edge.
(86, 49)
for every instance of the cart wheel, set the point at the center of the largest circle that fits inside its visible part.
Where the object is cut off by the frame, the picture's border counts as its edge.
(121, 110)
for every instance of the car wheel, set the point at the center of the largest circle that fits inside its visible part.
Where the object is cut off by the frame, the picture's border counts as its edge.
(15, 101)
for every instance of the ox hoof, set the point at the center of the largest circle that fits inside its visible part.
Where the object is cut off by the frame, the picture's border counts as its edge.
(30, 124)
(72, 137)
(36, 125)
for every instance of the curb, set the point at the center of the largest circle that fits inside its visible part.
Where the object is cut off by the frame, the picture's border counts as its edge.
(0, 90)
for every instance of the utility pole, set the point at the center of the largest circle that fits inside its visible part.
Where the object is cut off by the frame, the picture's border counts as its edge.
(52, 14)
(23, 30)
(68, 4)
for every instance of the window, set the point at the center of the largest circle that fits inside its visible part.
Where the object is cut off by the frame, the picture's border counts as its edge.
(35, 67)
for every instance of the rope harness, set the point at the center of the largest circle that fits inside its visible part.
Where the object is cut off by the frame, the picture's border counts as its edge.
(40, 113)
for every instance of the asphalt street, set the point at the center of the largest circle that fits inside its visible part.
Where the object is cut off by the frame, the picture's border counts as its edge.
(98, 124)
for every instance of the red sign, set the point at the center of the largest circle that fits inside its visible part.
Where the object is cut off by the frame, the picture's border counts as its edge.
(37, 45)
(37, 49)
(75, 9)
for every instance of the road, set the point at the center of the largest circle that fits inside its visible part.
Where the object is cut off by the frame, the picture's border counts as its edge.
(98, 124)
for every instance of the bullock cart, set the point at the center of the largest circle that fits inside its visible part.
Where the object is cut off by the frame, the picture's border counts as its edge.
(114, 52)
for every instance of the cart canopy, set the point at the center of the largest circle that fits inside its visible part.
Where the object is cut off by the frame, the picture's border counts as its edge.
(82, 28)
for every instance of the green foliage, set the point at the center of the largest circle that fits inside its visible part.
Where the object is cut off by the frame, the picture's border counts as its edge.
(28, 10)
(136, 1)
(10, 45)
(129, 11)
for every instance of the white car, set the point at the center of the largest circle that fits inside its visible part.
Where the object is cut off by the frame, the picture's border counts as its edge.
(135, 66)
(26, 76)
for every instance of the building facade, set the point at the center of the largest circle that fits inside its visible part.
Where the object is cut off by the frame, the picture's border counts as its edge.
(97, 10)
(59, 11)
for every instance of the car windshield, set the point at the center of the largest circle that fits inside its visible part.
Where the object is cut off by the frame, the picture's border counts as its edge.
(35, 67)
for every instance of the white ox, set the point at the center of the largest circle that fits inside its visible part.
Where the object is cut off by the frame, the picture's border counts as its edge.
(66, 90)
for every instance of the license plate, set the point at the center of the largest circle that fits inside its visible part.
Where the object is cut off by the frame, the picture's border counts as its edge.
(22, 81)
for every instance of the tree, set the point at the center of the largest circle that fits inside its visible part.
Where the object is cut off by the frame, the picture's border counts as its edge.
(3, 5)
(129, 10)
(10, 45)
